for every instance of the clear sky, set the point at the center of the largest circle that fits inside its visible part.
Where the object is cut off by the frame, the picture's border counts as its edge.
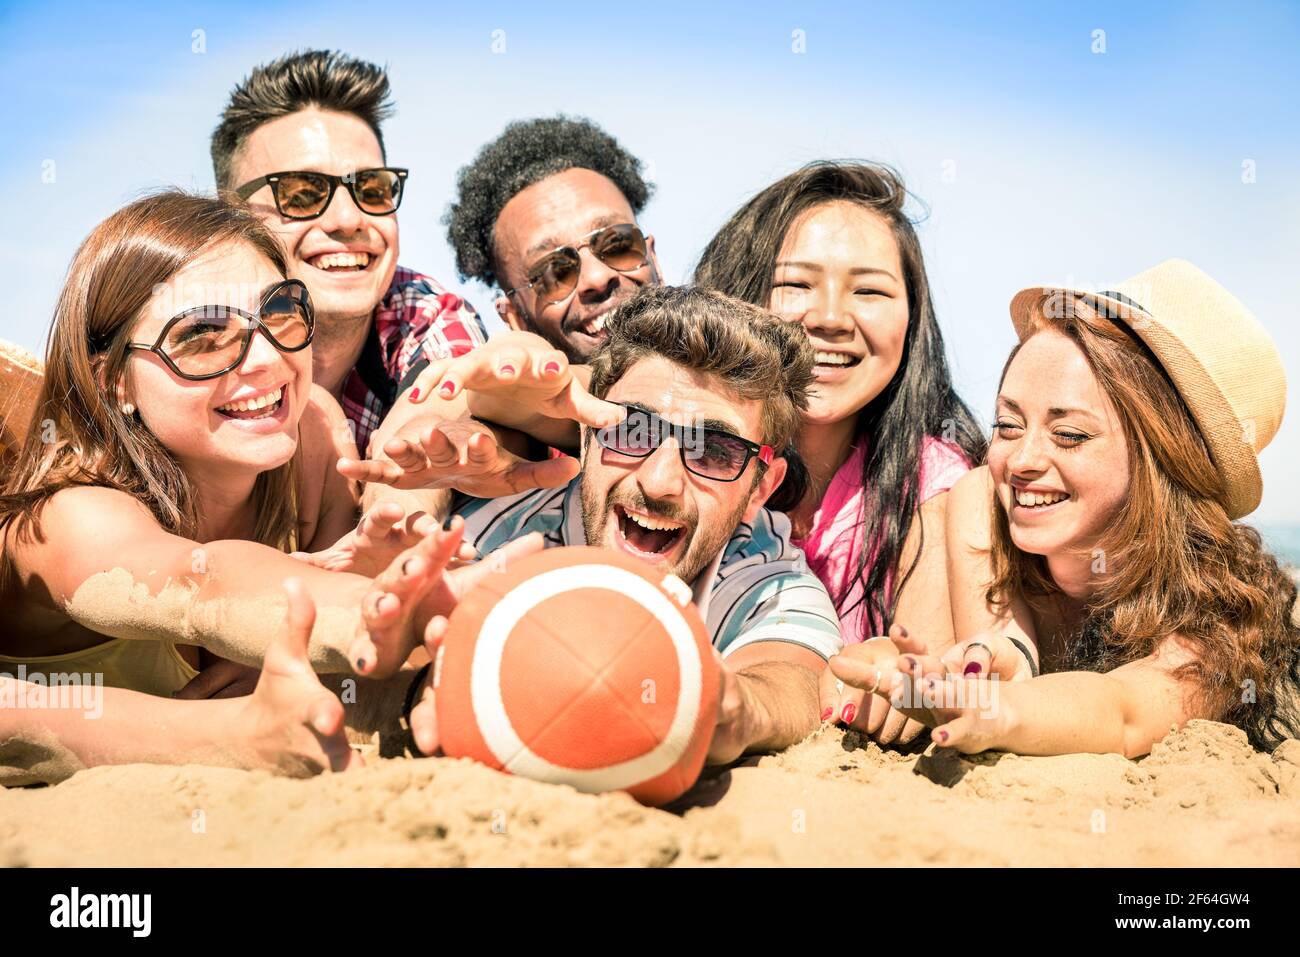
(1035, 157)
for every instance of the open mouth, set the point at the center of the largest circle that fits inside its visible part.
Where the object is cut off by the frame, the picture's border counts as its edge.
(830, 362)
(648, 536)
(259, 407)
(1039, 501)
(341, 262)
(595, 326)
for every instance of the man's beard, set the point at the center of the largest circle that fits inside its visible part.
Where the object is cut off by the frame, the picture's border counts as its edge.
(700, 549)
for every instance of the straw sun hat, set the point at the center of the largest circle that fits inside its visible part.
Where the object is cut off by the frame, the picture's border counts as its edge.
(1223, 363)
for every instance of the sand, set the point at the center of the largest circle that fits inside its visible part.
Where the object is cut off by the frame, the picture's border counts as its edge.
(1202, 798)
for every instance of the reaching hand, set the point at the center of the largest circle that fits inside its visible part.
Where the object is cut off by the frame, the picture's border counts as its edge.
(417, 586)
(383, 533)
(464, 454)
(523, 369)
(291, 724)
(854, 685)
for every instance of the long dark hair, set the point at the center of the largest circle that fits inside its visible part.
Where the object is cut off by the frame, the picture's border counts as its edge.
(919, 400)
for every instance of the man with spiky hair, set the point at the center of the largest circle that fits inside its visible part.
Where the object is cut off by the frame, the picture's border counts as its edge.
(300, 142)
(547, 213)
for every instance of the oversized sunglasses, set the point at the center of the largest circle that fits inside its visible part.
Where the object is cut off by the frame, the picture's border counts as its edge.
(208, 341)
(708, 452)
(306, 195)
(554, 277)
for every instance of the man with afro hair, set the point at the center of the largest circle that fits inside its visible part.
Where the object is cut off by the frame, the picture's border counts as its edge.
(547, 213)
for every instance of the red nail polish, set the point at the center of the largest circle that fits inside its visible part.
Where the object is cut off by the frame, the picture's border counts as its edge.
(415, 393)
(943, 737)
(826, 715)
(972, 669)
(551, 368)
(849, 713)
(507, 370)
(447, 389)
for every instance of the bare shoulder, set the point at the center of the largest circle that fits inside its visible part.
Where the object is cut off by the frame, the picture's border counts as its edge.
(87, 529)
(327, 501)
(88, 512)
(324, 426)
(973, 488)
(969, 509)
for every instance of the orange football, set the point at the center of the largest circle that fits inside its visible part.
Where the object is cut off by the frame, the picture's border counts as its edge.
(580, 666)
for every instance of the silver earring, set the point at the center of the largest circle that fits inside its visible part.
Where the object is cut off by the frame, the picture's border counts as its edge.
(128, 409)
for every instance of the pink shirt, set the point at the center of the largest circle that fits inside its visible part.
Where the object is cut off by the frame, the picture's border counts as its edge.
(835, 541)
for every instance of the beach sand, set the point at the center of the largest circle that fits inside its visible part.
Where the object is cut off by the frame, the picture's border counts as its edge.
(1202, 798)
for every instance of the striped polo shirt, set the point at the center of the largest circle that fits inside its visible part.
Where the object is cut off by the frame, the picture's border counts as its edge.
(758, 589)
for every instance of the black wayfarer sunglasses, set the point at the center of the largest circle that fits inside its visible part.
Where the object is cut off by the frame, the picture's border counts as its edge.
(709, 452)
(307, 194)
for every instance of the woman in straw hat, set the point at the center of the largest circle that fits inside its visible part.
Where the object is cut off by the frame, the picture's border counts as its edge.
(1095, 559)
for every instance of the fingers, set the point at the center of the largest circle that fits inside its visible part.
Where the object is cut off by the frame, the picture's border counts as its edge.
(961, 734)
(482, 369)
(301, 618)
(381, 520)
(890, 729)
(551, 473)
(424, 721)
(324, 718)
(407, 455)
(550, 365)
(586, 409)
(481, 451)
(396, 592)
(905, 642)
(519, 548)
(918, 667)
(439, 449)
(854, 708)
(370, 470)
(427, 379)
(865, 674)
(976, 660)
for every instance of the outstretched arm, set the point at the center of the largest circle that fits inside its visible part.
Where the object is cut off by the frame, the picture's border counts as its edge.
(289, 724)
(768, 699)
(105, 562)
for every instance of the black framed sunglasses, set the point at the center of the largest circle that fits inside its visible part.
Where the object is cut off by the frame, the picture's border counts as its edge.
(708, 452)
(208, 341)
(307, 194)
(554, 277)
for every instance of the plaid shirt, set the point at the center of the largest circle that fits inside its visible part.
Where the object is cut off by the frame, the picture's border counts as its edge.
(417, 318)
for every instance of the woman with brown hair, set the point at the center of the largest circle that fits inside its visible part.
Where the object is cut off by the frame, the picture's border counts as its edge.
(178, 451)
(1095, 560)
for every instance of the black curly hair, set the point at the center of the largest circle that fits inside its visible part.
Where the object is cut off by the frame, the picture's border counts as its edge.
(526, 153)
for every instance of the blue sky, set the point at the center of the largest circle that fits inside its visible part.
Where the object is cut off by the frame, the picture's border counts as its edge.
(1037, 159)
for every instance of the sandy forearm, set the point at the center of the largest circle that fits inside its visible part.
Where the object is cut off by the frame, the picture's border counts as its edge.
(781, 698)
(231, 602)
(42, 744)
